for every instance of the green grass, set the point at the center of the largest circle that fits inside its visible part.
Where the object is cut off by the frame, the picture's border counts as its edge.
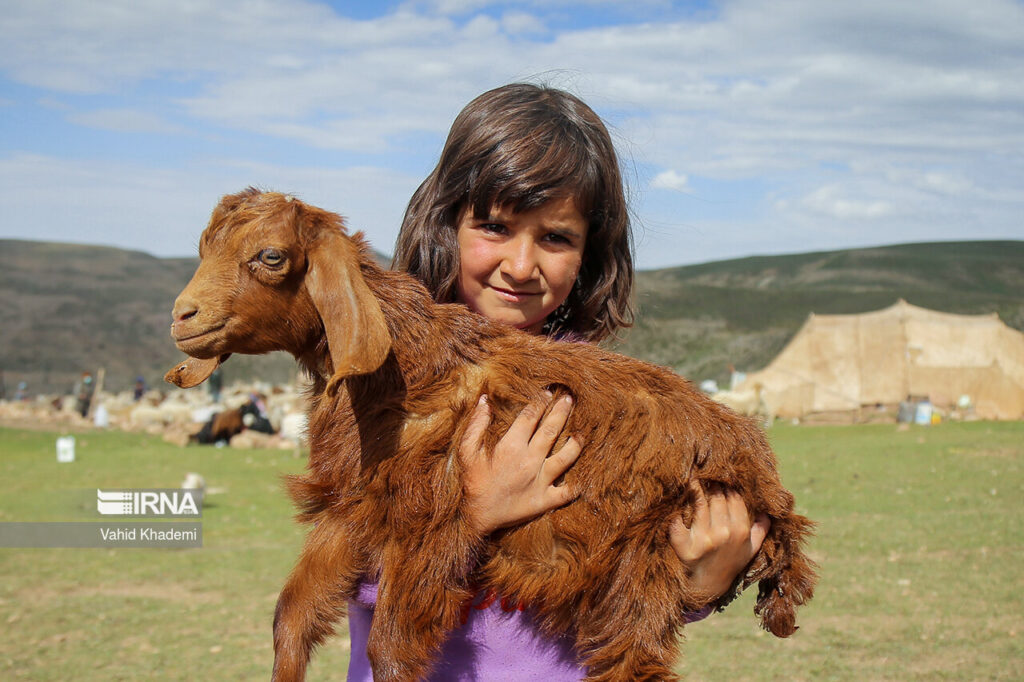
(920, 543)
(98, 614)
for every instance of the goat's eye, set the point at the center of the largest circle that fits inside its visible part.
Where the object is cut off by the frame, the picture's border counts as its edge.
(271, 257)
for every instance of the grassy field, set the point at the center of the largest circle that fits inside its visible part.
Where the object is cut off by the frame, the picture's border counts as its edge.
(920, 542)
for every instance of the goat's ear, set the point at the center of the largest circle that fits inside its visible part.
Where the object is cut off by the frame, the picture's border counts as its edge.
(193, 371)
(357, 335)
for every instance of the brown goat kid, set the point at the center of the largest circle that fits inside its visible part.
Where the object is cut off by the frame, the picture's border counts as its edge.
(396, 378)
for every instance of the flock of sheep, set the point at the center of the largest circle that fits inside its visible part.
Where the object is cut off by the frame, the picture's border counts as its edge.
(173, 415)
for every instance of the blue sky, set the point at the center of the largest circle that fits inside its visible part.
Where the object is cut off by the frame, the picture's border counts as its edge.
(745, 127)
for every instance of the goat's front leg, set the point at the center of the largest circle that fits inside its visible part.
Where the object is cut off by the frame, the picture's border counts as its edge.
(313, 598)
(419, 602)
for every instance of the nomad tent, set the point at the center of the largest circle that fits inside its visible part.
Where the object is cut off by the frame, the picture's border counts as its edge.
(839, 363)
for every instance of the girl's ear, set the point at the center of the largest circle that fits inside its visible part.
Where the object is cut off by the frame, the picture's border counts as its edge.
(357, 335)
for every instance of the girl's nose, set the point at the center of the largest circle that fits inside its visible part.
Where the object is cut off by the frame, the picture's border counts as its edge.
(520, 262)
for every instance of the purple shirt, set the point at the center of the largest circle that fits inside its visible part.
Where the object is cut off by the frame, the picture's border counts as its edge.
(497, 643)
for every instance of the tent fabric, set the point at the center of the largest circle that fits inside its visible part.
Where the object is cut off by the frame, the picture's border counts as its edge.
(844, 362)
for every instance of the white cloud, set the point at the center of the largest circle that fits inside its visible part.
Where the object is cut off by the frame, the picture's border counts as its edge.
(831, 202)
(955, 185)
(457, 7)
(163, 212)
(672, 180)
(903, 115)
(126, 120)
(517, 23)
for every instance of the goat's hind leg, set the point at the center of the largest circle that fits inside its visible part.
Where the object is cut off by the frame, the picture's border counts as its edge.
(312, 599)
(791, 575)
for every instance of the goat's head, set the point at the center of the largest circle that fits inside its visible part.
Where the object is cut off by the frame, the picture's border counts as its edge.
(276, 274)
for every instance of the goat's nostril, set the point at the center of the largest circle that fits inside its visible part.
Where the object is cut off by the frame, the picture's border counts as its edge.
(184, 312)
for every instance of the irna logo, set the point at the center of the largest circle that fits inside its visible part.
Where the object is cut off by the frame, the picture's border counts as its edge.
(169, 503)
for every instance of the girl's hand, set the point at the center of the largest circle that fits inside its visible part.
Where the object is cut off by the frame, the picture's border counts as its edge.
(514, 484)
(720, 541)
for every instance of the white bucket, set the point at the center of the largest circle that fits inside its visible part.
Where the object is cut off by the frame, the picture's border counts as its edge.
(101, 418)
(66, 449)
(924, 413)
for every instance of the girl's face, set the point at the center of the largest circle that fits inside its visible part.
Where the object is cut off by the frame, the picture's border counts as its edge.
(517, 268)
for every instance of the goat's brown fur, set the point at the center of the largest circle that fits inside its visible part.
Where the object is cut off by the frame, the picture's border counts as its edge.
(396, 378)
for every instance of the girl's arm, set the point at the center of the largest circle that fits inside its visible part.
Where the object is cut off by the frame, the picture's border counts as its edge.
(517, 483)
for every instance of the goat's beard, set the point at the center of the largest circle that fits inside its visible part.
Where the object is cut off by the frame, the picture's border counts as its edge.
(194, 371)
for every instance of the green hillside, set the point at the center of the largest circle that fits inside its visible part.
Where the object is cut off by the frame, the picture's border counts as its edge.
(66, 308)
(699, 319)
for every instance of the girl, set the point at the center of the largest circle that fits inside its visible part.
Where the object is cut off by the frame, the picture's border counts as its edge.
(524, 220)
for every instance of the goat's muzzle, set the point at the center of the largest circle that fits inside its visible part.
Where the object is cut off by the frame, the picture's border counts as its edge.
(185, 335)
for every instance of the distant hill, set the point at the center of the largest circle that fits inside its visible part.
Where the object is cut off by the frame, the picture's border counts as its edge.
(700, 319)
(66, 308)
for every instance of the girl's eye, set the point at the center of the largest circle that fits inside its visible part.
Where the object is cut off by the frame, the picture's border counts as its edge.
(494, 228)
(271, 257)
(557, 238)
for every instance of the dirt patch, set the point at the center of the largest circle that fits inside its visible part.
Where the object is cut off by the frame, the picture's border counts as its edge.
(997, 453)
(37, 424)
(163, 591)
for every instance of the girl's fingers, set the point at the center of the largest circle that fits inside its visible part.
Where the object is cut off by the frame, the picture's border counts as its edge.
(758, 532)
(700, 508)
(551, 427)
(677, 530)
(553, 467)
(470, 446)
(526, 421)
(718, 510)
(680, 538)
(557, 495)
(739, 516)
(700, 503)
(558, 463)
(688, 542)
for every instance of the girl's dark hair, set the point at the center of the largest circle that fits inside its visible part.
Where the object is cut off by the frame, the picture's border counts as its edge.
(520, 146)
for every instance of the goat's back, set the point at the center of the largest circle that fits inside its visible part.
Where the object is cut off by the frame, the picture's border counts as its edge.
(636, 421)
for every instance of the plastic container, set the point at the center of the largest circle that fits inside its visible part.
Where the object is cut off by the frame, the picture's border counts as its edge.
(923, 415)
(66, 449)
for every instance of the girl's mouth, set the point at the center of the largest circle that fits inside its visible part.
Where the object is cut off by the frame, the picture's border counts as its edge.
(513, 296)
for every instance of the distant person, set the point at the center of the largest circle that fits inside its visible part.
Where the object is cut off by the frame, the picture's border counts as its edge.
(254, 414)
(222, 426)
(83, 392)
(22, 392)
(140, 388)
(214, 384)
